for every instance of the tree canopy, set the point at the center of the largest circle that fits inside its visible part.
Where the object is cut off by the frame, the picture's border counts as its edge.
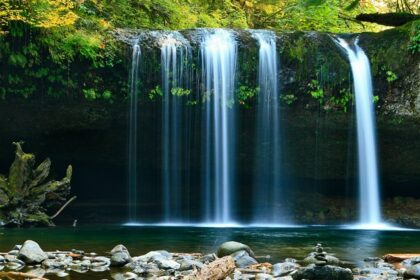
(322, 15)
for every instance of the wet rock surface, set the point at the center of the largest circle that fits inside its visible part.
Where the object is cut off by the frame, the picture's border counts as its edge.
(162, 264)
(31, 253)
(120, 256)
(231, 247)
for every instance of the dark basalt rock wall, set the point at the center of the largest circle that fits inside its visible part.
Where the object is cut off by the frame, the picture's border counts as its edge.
(318, 140)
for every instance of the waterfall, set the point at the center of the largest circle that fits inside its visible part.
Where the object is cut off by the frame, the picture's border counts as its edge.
(175, 53)
(218, 57)
(132, 137)
(267, 188)
(370, 212)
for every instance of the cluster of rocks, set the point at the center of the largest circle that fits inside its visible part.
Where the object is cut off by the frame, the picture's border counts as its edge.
(31, 258)
(321, 265)
(232, 261)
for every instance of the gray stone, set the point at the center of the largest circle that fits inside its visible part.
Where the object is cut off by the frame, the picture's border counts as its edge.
(311, 259)
(130, 276)
(208, 258)
(9, 258)
(243, 259)
(263, 276)
(410, 262)
(143, 268)
(188, 264)
(13, 252)
(282, 269)
(99, 262)
(230, 247)
(120, 256)
(413, 271)
(154, 254)
(328, 272)
(31, 253)
(79, 252)
(164, 263)
(53, 264)
(62, 273)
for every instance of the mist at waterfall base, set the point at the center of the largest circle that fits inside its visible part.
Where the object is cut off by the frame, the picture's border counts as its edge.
(213, 197)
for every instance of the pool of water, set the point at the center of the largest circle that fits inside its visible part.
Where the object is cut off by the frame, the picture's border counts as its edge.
(271, 244)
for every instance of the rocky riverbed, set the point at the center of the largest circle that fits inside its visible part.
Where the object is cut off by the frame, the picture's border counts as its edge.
(232, 260)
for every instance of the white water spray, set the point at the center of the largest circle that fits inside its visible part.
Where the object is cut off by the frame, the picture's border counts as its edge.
(267, 194)
(218, 54)
(370, 211)
(132, 137)
(174, 51)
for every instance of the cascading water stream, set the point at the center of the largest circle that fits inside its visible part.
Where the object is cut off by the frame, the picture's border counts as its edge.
(132, 137)
(370, 211)
(218, 57)
(175, 51)
(267, 189)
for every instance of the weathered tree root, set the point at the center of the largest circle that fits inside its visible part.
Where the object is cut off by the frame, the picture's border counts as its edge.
(26, 194)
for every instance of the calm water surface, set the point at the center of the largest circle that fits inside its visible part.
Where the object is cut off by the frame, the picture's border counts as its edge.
(278, 243)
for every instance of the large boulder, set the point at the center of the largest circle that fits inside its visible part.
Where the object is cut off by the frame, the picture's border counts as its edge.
(412, 267)
(413, 271)
(120, 256)
(31, 253)
(230, 247)
(328, 272)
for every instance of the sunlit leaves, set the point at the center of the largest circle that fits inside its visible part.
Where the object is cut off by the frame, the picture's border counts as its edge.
(41, 13)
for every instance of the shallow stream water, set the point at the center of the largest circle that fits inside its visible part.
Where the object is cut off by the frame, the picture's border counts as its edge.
(277, 243)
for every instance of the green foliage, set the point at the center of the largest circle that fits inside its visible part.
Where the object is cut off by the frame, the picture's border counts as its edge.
(414, 45)
(375, 99)
(299, 50)
(92, 94)
(245, 94)
(155, 93)
(391, 76)
(180, 91)
(315, 90)
(289, 99)
(342, 100)
(192, 102)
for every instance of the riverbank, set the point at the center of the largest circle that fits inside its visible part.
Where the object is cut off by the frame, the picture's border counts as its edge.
(232, 260)
(269, 245)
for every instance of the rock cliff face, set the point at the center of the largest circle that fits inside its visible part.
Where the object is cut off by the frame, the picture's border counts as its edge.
(318, 137)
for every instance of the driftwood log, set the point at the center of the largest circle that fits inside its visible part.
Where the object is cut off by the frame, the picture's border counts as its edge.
(388, 19)
(11, 275)
(396, 258)
(216, 270)
(27, 194)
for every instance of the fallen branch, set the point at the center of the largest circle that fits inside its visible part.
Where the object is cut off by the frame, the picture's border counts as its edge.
(62, 207)
(347, 18)
(388, 19)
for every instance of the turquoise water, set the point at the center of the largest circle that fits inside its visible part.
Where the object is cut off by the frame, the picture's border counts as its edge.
(278, 243)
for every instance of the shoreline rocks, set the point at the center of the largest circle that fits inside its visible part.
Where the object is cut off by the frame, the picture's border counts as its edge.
(240, 264)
